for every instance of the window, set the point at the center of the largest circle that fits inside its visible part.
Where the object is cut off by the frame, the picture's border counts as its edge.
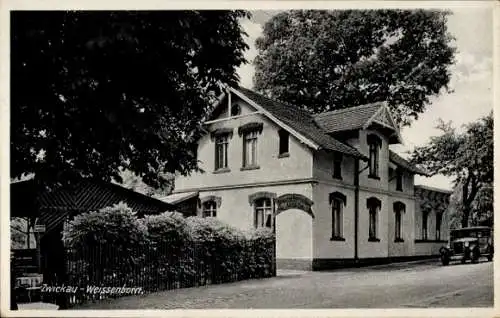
(337, 201)
(235, 109)
(399, 209)
(373, 205)
(284, 142)
(425, 217)
(337, 165)
(250, 149)
(209, 209)
(374, 143)
(337, 218)
(264, 213)
(399, 180)
(439, 219)
(221, 144)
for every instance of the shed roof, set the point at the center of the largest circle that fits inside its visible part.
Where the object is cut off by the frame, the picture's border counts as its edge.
(52, 207)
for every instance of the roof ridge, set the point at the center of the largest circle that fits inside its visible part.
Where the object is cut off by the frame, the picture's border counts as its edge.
(280, 101)
(341, 110)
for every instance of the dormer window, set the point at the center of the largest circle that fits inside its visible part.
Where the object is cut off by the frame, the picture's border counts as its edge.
(284, 137)
(337, 166)
(374, 144)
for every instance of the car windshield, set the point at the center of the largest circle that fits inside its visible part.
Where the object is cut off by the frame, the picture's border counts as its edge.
(478, 233)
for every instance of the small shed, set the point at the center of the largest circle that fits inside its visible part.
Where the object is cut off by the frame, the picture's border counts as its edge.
(52, 206)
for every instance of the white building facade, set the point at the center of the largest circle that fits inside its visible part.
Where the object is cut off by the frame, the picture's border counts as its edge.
(328, 185)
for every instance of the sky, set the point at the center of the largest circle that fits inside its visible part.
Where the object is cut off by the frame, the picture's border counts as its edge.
(472, 79)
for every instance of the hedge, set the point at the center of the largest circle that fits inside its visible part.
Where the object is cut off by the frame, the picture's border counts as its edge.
(112, 247)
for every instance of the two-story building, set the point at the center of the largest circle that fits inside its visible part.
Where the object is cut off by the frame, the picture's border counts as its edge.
(327, 184)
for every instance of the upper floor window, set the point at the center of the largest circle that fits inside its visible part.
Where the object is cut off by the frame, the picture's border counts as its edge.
(209, 209)
(373, 205)
(250, 149)
(250, 132)
(374, 144)
(284, 137)
(399, 180)
(399, 209)
(439, 219)
(264, 216)
(221, 147)
(337, 165)
(337, 202)
(425, 221)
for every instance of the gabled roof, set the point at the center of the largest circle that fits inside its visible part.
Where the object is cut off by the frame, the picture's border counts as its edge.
(298, 120)
(358, 117)
(405, 164)
(347, 118)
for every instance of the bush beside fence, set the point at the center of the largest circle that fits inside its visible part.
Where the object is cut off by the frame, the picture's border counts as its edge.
(157, 253)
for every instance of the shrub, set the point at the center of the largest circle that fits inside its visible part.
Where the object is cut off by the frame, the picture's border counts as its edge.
(107, 241)
(168, 235)
(112, 247)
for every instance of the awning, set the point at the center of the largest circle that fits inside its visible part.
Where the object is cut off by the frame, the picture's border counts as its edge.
(176, 198)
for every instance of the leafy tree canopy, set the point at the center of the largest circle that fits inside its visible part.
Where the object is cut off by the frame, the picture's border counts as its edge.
(95, 93)
(465, 156)
(326, 60)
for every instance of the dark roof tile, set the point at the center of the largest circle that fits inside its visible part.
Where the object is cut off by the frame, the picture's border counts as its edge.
(405, 164)
(347, 118)
(301, 121)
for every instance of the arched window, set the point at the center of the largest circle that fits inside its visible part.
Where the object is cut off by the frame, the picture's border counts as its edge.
(399, 209)
(209, 209)
(337, 202)
(373, 205)
(263, 211)
(209, 205)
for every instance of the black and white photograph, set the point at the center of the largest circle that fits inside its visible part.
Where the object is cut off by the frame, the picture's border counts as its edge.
(259, 156)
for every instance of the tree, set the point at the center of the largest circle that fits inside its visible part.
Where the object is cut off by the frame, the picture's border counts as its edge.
(135, 183)
(95, 93)
(325, 60)
(467, 157)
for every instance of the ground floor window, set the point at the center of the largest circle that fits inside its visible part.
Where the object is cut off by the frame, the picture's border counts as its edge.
(337, 202)
(209, 209)
(439, 219)
(336, 218)
(425, 221)
(373, 205)
(264, 216)
(399, 209)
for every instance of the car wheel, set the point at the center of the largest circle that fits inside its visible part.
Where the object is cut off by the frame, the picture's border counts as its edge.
(490, 257)
(475, 255)
(445, 260)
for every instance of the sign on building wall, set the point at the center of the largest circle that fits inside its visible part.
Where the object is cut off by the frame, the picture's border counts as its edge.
(294, 201)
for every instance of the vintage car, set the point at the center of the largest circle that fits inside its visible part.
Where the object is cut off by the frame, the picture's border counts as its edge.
(468, 244)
